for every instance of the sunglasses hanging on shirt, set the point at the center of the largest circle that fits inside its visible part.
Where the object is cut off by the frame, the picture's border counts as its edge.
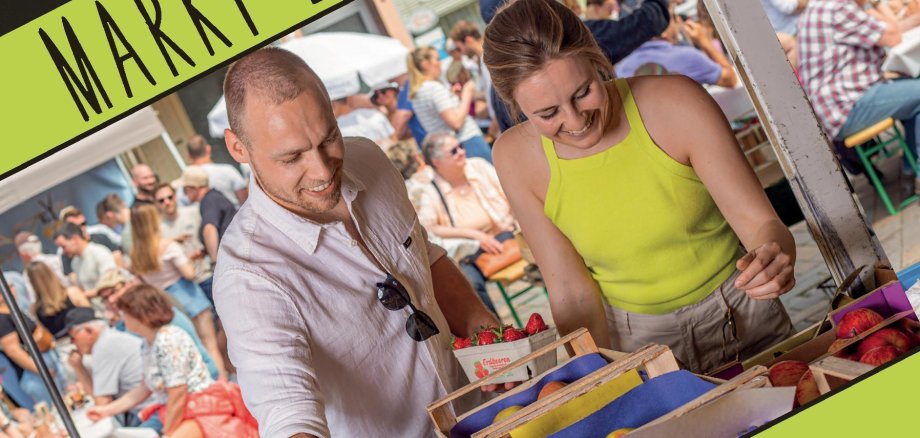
(393, 295)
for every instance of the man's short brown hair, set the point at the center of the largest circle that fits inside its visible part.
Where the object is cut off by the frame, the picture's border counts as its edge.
(112, 203)
(465, 29)
(147, 304)
(274, 74)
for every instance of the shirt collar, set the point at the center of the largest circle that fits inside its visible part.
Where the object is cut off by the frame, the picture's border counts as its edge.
(300, 230)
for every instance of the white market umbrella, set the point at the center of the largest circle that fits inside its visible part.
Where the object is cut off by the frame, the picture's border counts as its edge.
(342, 60)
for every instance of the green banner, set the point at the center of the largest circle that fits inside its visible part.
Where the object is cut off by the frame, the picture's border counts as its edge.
(882, 403)
(87, 62)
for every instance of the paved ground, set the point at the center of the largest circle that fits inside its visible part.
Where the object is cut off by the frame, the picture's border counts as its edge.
(807, 303)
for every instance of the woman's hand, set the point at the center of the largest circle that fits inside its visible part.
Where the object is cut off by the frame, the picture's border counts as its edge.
(489, 244)
(766, 272)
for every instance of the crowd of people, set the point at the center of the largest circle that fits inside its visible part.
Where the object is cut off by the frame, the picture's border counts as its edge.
(123, 310)
(584, 112)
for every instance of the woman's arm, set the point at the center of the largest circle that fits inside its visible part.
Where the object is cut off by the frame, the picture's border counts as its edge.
(675, 106)
(77, 297)
(12, 346)
(175, 407)
(123, 404)
(455, 117)
(574, 296)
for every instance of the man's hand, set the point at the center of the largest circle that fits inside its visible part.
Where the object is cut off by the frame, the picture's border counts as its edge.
(697, 33)
(766, 272)
(499, 387)
(97, 413)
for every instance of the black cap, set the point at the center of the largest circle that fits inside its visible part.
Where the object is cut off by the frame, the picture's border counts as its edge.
(75, 317)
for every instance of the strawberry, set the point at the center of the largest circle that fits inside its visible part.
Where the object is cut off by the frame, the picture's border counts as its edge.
(535, 324)
(487, 337)
(461, 343)
(512, 334)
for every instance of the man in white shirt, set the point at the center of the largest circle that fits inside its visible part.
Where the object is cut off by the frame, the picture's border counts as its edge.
(89, 260)
(224, 178)
(328, 226)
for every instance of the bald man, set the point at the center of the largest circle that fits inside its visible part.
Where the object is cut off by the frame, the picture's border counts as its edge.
(144, 181)
(337, 308)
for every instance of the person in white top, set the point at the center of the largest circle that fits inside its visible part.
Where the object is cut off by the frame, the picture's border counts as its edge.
(338, 310)
(89, 260)
(224, 178)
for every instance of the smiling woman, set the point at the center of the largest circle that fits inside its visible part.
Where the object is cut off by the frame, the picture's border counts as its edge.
(640, 197)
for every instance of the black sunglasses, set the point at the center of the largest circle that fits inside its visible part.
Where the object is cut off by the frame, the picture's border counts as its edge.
(456, 150)
(163, 200)
(393, 295)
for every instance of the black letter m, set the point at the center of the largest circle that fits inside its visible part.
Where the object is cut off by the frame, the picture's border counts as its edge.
(68, 74)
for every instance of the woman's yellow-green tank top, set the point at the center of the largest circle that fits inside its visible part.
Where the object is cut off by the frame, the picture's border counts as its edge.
(649, 232)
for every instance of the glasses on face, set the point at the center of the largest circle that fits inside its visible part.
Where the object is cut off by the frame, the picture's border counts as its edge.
(456, 150)
(163, 200)
(393, 295)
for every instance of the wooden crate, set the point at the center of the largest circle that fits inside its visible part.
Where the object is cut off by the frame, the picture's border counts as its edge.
(655, 360)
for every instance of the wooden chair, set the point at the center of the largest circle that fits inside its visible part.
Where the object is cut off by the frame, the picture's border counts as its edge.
(869, 144)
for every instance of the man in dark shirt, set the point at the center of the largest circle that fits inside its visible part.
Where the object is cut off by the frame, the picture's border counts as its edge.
(616, 38)
(144, 181)
(216, 210)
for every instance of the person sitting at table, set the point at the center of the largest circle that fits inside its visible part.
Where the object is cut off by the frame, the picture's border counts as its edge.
(464, 200)
(706, 65)
(635, 198)
(52, 299)
(188, 401)
(841, 51)
(25, 367)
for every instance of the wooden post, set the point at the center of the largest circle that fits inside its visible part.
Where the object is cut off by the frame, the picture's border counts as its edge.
(831, 210)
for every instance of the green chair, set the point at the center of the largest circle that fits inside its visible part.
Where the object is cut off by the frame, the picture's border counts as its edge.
(505, 278)
(869, 145)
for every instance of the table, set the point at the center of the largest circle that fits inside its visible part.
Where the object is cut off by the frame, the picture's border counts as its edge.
(107, 428)
(905, 57)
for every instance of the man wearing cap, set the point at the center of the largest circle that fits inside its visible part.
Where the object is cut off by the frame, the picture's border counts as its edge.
(216, 210)
(338, 310)
(386, 96)
(116, 356)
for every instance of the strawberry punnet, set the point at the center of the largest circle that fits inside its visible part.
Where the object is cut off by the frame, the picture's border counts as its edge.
(535, 324)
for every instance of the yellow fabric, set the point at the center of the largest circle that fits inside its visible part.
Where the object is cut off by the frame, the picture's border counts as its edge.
(575, 410)
(648, 229)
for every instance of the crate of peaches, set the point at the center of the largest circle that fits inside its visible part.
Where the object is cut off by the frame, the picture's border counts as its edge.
(494, 348)
(864, 340)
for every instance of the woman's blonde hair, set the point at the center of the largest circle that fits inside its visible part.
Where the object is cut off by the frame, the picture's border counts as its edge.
(50, 294)
(145, 236)
(414, 62)
(526, 34)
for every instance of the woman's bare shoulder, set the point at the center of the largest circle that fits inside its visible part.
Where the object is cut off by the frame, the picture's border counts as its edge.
(519, 159)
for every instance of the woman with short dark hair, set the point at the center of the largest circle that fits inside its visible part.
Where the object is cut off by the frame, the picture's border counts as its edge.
(188, 402)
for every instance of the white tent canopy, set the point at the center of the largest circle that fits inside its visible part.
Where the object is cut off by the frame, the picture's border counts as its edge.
(342, 60)
(127, 133)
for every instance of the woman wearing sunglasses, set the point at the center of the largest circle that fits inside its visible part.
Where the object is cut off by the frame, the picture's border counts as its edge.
(639, 195)
(464, 200)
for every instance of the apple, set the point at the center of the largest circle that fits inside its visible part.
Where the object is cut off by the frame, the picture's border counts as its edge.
(507, 412)
(549, 388)
(857, 321)
(837, 349)
(880, 355)
(883, 337)
(620, 432)
(807, 389)
(787, 372)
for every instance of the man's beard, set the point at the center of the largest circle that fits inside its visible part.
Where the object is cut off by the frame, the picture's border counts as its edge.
(310, 207)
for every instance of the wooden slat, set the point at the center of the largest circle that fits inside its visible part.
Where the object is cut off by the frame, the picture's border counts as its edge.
(868, 133)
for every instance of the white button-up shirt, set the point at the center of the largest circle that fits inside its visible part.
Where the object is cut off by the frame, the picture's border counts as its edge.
(315, 350)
